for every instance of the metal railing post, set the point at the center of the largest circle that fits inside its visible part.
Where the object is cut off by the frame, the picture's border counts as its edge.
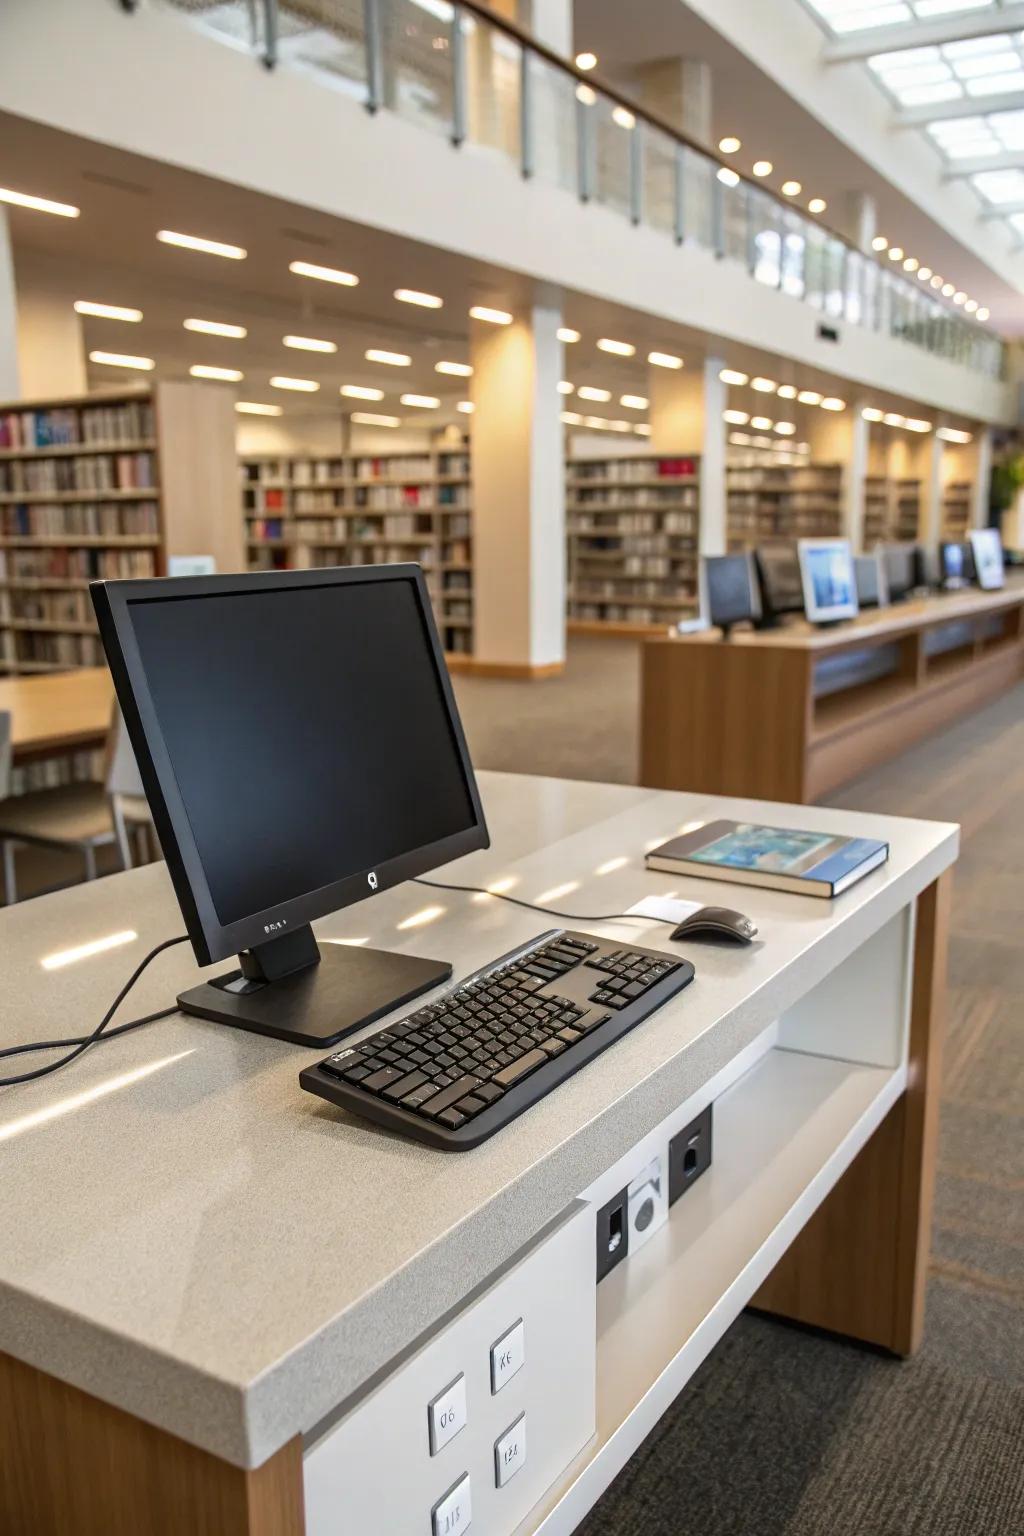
(679, 194)
(271, 33)
(584, 145)
(458, 57)
(526, 160)
(374, 55)
(717, 216)
(636, 174)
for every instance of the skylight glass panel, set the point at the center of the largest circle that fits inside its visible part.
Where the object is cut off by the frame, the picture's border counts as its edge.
(1008, 128)
(1000, 186)
(965, 47)
(997, 85)
(845, 16)
(925, 8)
(976, 67)
(1017, 220)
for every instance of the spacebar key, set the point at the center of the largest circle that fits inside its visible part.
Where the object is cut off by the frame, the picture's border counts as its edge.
(448, 1095)
(517, 1069)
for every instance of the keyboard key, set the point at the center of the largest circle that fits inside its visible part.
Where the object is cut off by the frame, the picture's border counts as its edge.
(451, 1118)
(489, 1092)
(471, 1105)
(528, 1063)
(381, 1080)
(420, 1095)
(356, 1074)
(447, 1096)
(405, 1085)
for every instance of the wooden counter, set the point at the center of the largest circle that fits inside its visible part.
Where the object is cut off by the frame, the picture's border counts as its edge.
(789, 714)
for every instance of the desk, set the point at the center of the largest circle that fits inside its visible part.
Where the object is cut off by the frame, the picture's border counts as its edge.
(224, 1305)
(53, 714)
(789, 714)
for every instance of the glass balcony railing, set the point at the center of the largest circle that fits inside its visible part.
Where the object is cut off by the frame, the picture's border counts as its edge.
(460, 72)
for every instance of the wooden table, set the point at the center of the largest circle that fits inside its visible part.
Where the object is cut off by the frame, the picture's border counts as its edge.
(57, 713)
(790, 713)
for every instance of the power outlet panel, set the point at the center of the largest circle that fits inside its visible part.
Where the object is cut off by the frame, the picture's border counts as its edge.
(689, 1154)
(612, 1233)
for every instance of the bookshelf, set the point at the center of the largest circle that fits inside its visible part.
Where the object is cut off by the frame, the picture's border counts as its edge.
(632, 528)
(956, 509)
(892, 509)
(102, 485)
(766, 502)
(303, 511)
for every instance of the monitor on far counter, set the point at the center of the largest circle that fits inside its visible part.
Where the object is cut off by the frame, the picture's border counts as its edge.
(778, 570)
(729, 591)
(829, 584)
(869, 575)
(900, 570)
(987, 548)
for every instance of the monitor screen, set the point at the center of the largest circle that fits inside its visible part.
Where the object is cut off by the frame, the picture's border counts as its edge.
(302, 731)
(781, 586)
(954, 566)
(730, 591)
(900, 571)
(987, 547)
(830, 590)
(870, 581)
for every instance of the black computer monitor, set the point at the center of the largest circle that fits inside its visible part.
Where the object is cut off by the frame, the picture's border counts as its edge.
(926, 567)
(830, 587)
(869, 575)
(953, 564)
(729, 595)
(782, 591)
(301, 750)
(900, 570)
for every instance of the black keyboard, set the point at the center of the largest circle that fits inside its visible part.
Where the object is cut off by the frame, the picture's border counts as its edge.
(459, 1069)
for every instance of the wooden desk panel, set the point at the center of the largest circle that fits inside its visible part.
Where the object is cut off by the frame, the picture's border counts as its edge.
(62, 712)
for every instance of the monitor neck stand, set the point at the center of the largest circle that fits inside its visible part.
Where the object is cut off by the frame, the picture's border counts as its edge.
(290, 989)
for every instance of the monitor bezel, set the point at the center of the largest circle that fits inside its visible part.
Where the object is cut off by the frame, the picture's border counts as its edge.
(819, 614)
(211, 939)
(753, 586)
(974, 537)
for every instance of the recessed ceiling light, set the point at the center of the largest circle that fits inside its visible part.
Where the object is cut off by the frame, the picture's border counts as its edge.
(729, 145)
(620, 348)
(586, 95)
(741, 439)
(586, 60)
(817, 205)
(107, 311)
(280, 381)
(764, 386)
(895, 253)
(323, 274)
(664, 360)
(762, 167)
(565, 388)
(425, 402)
(255, 408)
(623, 117)
(121, 360)
(413, 296)
(762, 442)
(736, 418)
(733, 376)
(372, 419)
(38, 204)
(791, 188)
(361, 392)
(949, 289)
(727, 176)
(953, 435)
(982, 313)
(761, 423)
(959, 296)
(917, 424)
(492, 316)
(588, 392)
(785, 428)
(809, 397)
(911, 264)
(880, 242)
(971, 305)
(208, 371)
(571, 418)
(393, 359)
(936, 281)
(197, 243)
(460, 370)
(634, 402)
(567, 334)
(309, 344)
(894, 419)
(216, 328)
(872, 413)
(833, 403)
(642, 429)
(787, 391)
(465, 406)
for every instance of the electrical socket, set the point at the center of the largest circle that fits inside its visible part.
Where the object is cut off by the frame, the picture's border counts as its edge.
(689, 1154)
(647, 1203)
(612, 1233)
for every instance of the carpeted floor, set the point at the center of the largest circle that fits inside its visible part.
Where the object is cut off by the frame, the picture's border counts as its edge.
(781, 1432)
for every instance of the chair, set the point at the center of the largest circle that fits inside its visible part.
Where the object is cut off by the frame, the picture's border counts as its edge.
(84, 816)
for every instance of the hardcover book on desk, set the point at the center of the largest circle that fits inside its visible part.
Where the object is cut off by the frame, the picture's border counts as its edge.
(779, 858)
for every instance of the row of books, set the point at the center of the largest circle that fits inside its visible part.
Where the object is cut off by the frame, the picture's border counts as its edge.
(639, 544)
(129, 421)
(617, 590)
(367, 554)
(58, 650)
(75, 564)
(256, 499)
(91, 519)
(86, 472)
(453, 464)
(458, 641)
(611, 498)
(52, 772)
(631, 613)
(261, 528)
(628, 470)
(662, 566)
(55, 607)
(633, 522)
(392, 525)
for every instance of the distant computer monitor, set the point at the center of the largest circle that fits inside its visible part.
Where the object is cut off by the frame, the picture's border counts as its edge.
(778, 569)
(900, 574)
(869, 575)
(301, 750)
(987, 548)
(953, 564)
(926, 567)
(830, 587)
(730, 593)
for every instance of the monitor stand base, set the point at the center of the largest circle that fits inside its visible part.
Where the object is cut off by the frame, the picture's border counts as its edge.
(349, 987)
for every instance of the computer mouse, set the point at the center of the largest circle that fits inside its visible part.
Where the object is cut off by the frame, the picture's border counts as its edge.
(716, 923)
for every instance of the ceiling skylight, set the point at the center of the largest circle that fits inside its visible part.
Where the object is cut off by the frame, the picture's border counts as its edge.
(970, 67)
(847, 16)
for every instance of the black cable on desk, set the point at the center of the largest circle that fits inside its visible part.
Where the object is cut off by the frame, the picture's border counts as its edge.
(531, 906)
(83, 1042)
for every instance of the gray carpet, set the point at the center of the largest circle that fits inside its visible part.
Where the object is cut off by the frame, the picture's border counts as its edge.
(781, 1432)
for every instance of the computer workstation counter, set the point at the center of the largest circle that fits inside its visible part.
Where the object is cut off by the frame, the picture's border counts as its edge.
(226, 1306)
(791, 712)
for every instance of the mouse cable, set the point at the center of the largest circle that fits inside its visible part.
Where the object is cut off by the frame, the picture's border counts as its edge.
(531, 906)
(82, 1043)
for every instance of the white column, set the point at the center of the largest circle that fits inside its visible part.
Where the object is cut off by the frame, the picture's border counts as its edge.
(861, 221)
(50, 343)
(10, 381)
(932, 481)
(550, 21)
(518, 495)
(982, 477)
(679, 90)
(686, 408)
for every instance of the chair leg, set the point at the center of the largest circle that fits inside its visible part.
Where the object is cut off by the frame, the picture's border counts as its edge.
(10, 884)
(121, 833)
(89, 854)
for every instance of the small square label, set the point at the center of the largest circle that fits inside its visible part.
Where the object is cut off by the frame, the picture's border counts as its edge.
(446, 1415)
(508, 1356)
(452, 1514)
(510, 1452)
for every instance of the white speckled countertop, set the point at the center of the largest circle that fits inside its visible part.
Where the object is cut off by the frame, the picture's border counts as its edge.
(187, 1234)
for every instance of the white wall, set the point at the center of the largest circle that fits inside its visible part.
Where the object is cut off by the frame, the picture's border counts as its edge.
(213, 110)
